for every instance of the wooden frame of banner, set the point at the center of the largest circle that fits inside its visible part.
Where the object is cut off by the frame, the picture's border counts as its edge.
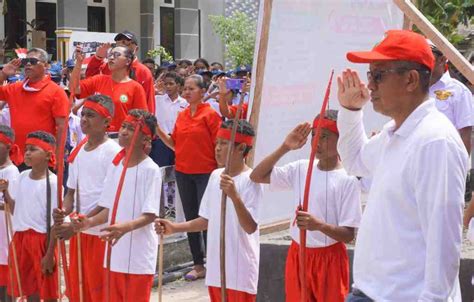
(260, 72)
(428, 29)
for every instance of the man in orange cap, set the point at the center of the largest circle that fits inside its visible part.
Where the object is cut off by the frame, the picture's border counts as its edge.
(408, 244)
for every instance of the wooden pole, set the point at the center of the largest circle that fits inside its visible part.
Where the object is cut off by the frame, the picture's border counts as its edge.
(428, 29)
(161, 248)
(9, 224)
(79, 247)
(260, 72)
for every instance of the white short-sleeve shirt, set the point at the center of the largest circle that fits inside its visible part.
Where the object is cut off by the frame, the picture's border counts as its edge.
(136, 251)
(242, 249)
(9, 173)
(90, 168)
(334, 197)
(454, 100)
(30, 202)
(167, 111)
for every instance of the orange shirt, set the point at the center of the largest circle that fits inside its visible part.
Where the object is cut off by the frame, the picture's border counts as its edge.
(195, 139)
(142, 75)
(34, 110)
(126, 96)
(233, 110)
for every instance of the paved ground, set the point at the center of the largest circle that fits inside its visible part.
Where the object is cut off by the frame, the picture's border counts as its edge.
(183, 291)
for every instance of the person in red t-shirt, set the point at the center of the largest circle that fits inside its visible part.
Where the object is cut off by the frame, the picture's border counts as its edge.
(142, 74)
(36, 103)
(193, 140)
(126, 93)
(225, 98)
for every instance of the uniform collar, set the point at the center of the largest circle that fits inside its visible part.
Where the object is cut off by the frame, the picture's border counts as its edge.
(412, 120)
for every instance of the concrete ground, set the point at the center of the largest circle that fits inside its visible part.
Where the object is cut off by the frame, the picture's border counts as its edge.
(183, 291)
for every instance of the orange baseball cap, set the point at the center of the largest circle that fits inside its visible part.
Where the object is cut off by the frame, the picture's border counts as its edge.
(398, 45)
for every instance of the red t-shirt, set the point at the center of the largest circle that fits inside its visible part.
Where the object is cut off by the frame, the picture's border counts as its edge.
(126, 96)
(34, 110)
(233, 110)
(142, 75)
(195, 139)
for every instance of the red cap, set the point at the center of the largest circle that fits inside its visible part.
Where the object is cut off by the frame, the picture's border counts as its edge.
(398, 45)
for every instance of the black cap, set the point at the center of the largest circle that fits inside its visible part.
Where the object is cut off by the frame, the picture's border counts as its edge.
(128, 35)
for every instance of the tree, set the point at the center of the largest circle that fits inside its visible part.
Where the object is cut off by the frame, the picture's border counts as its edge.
(238, 33)
(446, 16)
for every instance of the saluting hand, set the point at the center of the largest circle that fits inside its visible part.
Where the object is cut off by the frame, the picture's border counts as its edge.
(11, 67)
(102, 50)
(352, 93)
(306, 221)
(297, 138)
(164, 227)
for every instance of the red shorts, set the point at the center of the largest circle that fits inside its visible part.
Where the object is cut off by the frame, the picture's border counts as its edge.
(4, 273)
(93, 271)
(130, 287)
(232, 295)
(327, 273)
(30, 248)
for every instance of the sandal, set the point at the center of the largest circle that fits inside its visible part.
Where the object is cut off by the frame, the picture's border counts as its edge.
(195, 275)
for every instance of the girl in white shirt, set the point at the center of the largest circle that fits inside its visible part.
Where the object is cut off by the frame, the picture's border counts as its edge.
(241, 232)
(333, 212)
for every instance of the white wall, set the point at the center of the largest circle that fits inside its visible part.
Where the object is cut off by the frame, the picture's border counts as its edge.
(212, 48)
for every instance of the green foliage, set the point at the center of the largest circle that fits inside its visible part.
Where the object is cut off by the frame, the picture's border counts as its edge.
(447, 15)
(161, 52)
(238, 33)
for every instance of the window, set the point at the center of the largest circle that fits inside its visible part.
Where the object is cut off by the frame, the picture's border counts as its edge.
(167, 29)
(46, 16)
(96, 18)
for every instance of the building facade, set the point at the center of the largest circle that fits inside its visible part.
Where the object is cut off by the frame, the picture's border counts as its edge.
(181, 26)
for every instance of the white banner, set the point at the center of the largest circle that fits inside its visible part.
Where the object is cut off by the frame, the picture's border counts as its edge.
(307, 39)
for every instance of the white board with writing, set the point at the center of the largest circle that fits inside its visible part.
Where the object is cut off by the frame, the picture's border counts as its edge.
(307, 39)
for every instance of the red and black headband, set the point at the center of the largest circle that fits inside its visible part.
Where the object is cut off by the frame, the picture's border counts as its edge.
(326, 124)
(100, 109)
(225, 133)
(15, 153)
(45, 146)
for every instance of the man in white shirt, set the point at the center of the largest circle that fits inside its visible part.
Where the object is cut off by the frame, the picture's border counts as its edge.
(453, 99)
(167, 105)
(409, 240)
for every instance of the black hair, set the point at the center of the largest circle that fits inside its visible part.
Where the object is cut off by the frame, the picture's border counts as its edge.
(103, 100)
(243, 127)
(330, 114)
(184, 61)
(129, 54)
(8, 132)
(217, 63)
(44, 136)
(150, 119)
(198, 80)
(423, 71)
(176, 77)
(149, 61)
(203, 61)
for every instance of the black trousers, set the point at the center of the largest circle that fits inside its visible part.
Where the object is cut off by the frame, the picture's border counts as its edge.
(191, 187)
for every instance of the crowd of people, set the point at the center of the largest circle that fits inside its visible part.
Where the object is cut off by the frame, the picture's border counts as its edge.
(124, 119)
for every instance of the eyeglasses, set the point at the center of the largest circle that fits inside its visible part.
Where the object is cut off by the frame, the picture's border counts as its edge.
(377, 75)
(32, 61)
(114, 54)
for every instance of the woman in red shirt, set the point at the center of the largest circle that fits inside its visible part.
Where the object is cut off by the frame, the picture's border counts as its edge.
(126, 93)
(193, 140)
